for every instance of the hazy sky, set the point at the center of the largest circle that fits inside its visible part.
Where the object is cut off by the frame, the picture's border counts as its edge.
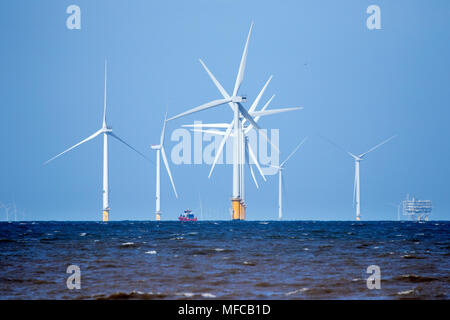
(357, 86)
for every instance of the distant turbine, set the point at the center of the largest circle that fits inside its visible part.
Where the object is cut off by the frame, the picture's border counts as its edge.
(15, 211)
(280, 169)
(398, 209)
(6, 210)
(356, 186)
(107, 131)
(160, 151)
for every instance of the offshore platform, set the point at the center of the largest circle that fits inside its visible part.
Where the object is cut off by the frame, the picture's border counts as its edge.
(418, 210)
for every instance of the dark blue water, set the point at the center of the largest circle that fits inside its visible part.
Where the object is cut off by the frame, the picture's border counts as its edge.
(240, 260)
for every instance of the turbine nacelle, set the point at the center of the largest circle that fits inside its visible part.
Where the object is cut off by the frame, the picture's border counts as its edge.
(357, 158)
(356, 185)
(106, 129)
(155, 146)
(237, 99)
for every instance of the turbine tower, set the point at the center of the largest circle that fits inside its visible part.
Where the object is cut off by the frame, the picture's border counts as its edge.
(280, 169)
(356, 184)
(106, 131)
(239, 113)
(160, 151)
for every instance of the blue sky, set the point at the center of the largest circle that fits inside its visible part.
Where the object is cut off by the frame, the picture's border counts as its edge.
(357, 86)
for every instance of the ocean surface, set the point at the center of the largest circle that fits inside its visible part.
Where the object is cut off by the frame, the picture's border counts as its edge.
(225, 260)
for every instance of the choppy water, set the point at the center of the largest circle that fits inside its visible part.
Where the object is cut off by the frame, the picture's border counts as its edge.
(225, 260)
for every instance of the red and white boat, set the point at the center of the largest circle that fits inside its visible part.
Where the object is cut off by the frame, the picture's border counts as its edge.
(187, 216)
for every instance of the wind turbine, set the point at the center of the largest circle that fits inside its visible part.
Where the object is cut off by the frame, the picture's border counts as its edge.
(239, 112)
(15, 211)
(356, 185)
(106, 131)
(160, 151)
(398, 209)
(245, 151)
(234, 101)
(6, 210)
(280, 169)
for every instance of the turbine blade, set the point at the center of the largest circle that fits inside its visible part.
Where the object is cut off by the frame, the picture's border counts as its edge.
(104, 97)
(222, 144)
(250, 127)
(214, 132)
(267, 103)
(274, 111)
(254, 124)
(73, 147)
(253, 175)
(250, 166)
(339, 147)
(207, 125)
(205, 106)
(295, 150)
(255, 160)
(240, 75)
(161, 140)
(247, 116)
(129, 146)
(268, 140)
(377, 146)
(217, 83)
(166, 163)
(258, 98)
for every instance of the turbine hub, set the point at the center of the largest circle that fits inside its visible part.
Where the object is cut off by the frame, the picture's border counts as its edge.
(155, 147)
(238, 99)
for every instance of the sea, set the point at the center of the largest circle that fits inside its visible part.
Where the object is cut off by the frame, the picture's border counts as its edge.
(225, 260)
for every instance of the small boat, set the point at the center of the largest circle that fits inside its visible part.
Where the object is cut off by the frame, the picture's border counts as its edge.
(187, 216)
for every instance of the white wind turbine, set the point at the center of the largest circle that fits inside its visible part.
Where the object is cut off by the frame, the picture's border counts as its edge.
(246, 151)
(356, 185)
(240, 113)
(106, 131)
(398, 209)
(6, 210)
(234, 101)
(280, 169)
(15, 211)
(160, 151)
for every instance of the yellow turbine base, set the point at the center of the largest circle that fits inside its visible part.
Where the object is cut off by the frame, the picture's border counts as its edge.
(242, 210)
(105, 216)
(158, 217)
(236, 206)
(358, 218)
